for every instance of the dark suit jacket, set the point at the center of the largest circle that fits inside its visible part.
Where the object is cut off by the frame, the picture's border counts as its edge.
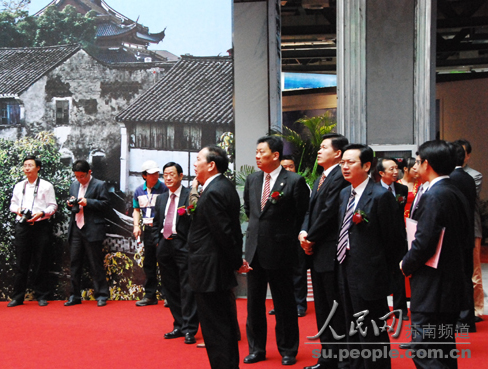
(401, 192)
(375, 245)
(441, 289)
(321, 220)
(96, 210)
(215, 238)
(182, 222)
(466, 184)
(275, 229)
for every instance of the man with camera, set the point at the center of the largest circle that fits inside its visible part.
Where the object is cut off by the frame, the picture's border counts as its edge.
(89, 204)
(34, 201)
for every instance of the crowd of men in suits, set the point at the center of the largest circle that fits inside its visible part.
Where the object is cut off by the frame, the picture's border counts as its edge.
(350, 228)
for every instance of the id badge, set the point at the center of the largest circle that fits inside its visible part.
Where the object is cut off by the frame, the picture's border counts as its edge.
(148, 213)
(147, 221)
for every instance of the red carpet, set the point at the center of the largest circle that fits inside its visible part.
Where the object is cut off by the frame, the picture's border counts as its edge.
(122, 335)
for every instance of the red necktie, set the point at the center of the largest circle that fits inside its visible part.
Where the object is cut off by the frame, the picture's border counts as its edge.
(266, 191)
(168, 223)
(322, 179)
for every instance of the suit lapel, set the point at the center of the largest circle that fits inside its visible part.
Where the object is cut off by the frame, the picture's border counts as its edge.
(366, 196)
(278, 186)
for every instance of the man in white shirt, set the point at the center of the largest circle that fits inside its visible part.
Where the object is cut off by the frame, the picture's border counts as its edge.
(34, 202)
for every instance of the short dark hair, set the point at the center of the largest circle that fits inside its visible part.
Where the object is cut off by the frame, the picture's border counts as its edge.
(178, 167)
(337, 140)
(33, 157)
(274, 142)
(289, 157)
(219, 157)
(366, 153)
(457, 150)
(439, 156)
(81, 166)
(465, 143)
(380, 167)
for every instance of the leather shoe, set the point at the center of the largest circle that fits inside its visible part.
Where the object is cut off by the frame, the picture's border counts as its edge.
(72, 301)
(406, 346)
(42, 302)
(190, 338)
(478, 319)
(101, 303)
(15, 303)
(146, 302)
(301, 313)
(175, 333)
(271, 312)
(254, 358)
(316, 366)
(288, 360)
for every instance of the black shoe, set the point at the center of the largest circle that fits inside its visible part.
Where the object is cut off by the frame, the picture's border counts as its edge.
(405, 317)
(302, 313)
(72, 301)
(15, 303)
(42, 302)
(166, 303)
(271, 312)
(316, 366)
(288, 360)
(478, 319)
(190, 338)
(254, 358)
(406, 346)
(146, 302)
(101, 303)
(175, 333)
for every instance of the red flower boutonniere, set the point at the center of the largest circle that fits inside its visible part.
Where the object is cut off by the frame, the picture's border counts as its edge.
(275, 196)
(186, 210)
(401, 199)
(359, 216)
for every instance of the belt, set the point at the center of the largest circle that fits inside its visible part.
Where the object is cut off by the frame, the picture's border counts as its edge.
(172, 237)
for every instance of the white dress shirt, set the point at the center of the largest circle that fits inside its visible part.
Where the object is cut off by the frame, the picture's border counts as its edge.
(45, 200)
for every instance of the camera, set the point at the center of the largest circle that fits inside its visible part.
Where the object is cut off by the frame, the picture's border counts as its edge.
(73, 201)
(26, 215)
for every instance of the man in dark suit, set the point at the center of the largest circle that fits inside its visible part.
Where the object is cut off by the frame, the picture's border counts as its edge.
(89, 203)
(387, 168)
(465, 183)
(438, 294)
(215, 253)
(367, 252)
(319, 239)
(170, 233)
(275, 200)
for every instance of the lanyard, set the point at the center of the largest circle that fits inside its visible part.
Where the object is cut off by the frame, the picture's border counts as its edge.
(36, 189)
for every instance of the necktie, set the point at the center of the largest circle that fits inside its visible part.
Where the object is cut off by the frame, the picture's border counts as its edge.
(344, 234)
(80, 217)
(322, 179)
(168, 224)
(266, 191)
(416, 201)
(390, 189)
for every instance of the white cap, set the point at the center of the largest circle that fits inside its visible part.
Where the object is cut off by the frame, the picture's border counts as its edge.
(150, 167)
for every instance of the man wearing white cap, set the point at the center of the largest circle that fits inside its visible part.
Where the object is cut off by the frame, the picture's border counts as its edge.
(144, 201)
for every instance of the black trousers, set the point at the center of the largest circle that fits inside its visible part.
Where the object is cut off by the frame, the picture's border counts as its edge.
(217, 314)
(80, 247)
(150, 264)
(300, 280)
(286, 330)
(173, 260)
(31, 247)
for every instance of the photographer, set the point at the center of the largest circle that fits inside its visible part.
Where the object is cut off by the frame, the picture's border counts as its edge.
(34, 202)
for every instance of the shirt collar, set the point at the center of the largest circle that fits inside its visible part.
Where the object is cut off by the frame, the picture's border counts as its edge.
(435, 180)
(207, 182)
(330, 169)
(156, 186)
(177, 192)
(275, 173)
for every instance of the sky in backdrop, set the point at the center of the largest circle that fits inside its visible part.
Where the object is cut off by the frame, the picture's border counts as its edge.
(196, 27)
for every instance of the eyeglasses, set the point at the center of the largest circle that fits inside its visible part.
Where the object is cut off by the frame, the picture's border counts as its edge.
(417, 162)
(348, 162)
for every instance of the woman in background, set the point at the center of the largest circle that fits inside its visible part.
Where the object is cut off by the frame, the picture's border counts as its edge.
(409, 179)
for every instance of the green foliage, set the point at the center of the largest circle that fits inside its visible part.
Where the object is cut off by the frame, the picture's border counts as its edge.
(12, 154)
(18, 29)
(14, 5)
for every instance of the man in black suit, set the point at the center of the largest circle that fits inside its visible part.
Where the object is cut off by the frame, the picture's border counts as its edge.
(438, 294)
(466, 184)
(275, 200)
(215, 253)
(367, 252)
(388, 170)
(170, 233)
(319, 239)
(89, 203)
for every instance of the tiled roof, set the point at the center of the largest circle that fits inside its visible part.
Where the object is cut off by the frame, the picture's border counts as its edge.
(123, 55)
(111, 29)
(195, 90)
(21, 67)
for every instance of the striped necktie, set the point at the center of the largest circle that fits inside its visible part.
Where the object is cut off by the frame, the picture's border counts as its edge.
(321, 182)
(346, 224)
(266, 191)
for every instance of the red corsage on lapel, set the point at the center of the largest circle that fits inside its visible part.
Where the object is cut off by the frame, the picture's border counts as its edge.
(359, 216)
(188, 210)
(401, 199)
(275, 196)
